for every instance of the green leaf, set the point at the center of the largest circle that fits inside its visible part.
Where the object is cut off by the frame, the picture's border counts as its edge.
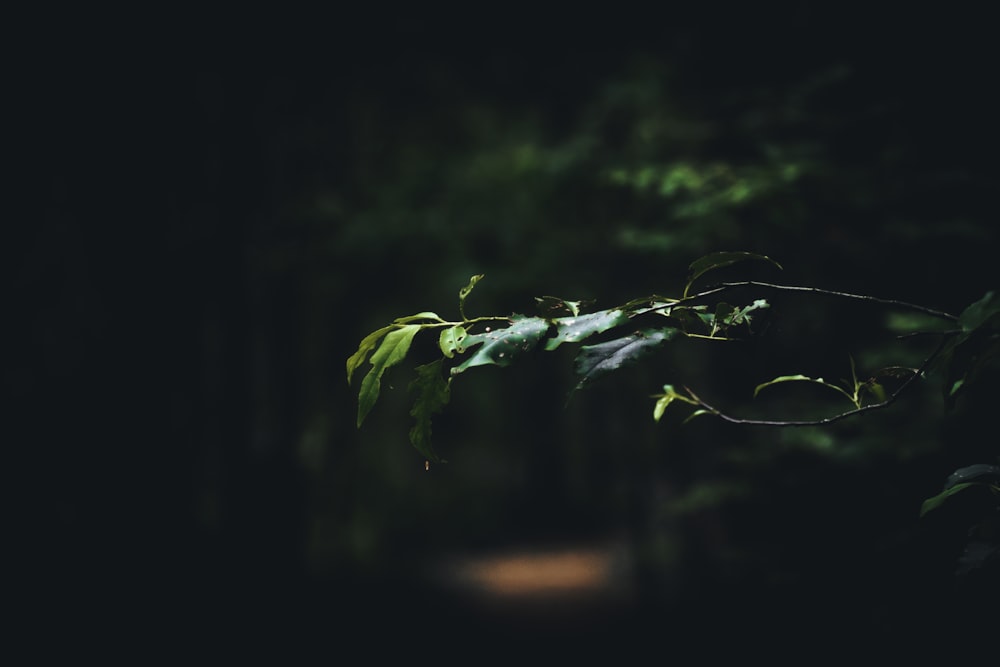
(451, 340)
(935, 502)
(426, 315)
(433, 393)
(979, 312)
(596, 361)
(393, 350)
(464, 292)
(368, 342)
(501, 346)
(697, 413)
(367, 345)
(802, 378)
(575, 329)
(716, 260)
(668, 396)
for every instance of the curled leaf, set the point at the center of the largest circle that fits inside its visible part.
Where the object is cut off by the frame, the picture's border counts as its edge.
(426, 315)
(464, 292)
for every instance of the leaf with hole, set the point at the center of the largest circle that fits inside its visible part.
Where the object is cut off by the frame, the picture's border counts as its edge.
(452, 339)
(500, 347)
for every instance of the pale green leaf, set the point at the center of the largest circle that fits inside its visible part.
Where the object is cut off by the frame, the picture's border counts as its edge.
(668, 396)
(426, 315)
(393, 350)
(451, 340)
(661, 404)
(367, 345)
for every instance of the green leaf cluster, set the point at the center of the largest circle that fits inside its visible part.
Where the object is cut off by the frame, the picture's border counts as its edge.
(500, 341)
(635, 330)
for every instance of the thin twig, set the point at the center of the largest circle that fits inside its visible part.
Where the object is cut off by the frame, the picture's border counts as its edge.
(846, 295)
(725, 287)
(826, 420)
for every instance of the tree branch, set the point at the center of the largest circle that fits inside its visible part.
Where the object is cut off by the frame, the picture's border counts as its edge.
(835, 418)
(724, 287)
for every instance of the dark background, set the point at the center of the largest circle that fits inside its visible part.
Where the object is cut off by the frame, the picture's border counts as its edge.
(218, 208)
